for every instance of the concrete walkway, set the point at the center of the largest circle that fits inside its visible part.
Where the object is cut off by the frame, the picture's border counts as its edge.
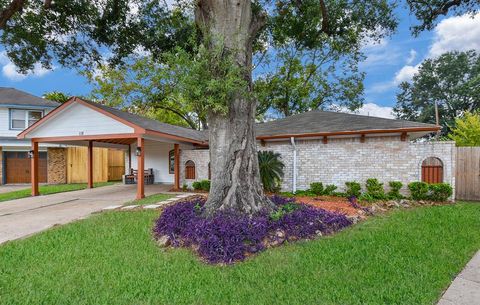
(23, 217)
(465, 289)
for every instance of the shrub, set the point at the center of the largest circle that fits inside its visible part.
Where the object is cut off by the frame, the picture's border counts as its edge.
(203, 185)
(353, 189)
(439, 191)
(329, 190)
(316, 188)
(271, 170)
(418, 190)
(395, 187)
(227, 236)
(375, 189)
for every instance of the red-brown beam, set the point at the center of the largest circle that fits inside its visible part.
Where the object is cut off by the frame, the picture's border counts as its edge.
(176, 171)
(325, 139)
(362, 138)
(90, 165)
(34, 169)
(141, 169)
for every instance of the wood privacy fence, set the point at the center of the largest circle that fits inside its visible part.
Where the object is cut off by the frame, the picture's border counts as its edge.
(467, 178)
(108, 164)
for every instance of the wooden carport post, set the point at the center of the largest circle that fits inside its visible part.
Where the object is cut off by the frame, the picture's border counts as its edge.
(141, 168)
(90, 165)
(176, 170)
(34, 168)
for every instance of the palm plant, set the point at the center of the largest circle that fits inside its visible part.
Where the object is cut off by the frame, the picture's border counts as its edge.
(271, 170)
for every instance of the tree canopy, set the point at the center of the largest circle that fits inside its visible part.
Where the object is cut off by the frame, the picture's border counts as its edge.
(429, 11)
(452, 81)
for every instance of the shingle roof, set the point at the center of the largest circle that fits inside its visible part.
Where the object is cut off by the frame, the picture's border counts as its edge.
(11, 96)
(328, 122)
(154, 125)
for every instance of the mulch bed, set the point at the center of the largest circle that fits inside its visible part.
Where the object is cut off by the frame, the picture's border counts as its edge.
(331, 203)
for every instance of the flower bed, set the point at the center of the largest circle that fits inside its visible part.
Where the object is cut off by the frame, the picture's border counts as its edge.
(228, 237)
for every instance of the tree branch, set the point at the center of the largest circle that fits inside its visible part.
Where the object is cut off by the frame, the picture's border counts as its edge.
(6, 14)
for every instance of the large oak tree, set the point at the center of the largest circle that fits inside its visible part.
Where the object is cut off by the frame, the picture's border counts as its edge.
(226, 34)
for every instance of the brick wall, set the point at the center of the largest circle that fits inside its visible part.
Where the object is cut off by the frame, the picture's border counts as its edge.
(201, 159)
(57, 165)
(347, 159)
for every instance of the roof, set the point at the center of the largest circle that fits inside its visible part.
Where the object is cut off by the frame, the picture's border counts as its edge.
(309, 124)
(12, 96)
(327, 122)
(154, 125)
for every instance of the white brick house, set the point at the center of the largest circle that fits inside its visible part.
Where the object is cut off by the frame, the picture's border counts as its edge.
(315, 146)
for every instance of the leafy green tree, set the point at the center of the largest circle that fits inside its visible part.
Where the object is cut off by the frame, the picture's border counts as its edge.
(310, 79)
(218, 61)
(271, 170)
(429, 11)
(56, 96)
(452, 81)
(467, 130)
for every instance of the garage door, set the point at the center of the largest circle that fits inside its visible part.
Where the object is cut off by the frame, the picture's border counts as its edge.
(17, 166)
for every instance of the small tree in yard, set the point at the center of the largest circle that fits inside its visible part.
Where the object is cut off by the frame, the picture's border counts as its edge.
(217, 61)
(467, 130)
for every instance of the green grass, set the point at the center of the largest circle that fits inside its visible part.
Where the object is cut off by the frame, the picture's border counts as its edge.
(150, 199)
(49, 189)
(406, 257)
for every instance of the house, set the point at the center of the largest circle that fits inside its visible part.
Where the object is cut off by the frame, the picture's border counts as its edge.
(328, 147)
(19, 110)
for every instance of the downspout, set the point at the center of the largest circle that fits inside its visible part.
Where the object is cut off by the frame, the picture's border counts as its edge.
(294, 182)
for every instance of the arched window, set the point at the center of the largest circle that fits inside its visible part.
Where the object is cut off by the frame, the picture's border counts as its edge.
(171, 162)
(432, 170)
(189, 170)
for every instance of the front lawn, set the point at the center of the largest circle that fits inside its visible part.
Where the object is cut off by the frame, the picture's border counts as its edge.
(50, 189)
(408, 256)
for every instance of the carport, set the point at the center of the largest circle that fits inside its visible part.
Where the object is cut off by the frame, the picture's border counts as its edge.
(80, 122)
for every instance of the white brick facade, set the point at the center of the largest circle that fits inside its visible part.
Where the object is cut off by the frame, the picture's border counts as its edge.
(348, 159)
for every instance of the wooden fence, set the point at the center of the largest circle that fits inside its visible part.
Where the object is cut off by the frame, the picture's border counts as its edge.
(108, 164)
(467, 178)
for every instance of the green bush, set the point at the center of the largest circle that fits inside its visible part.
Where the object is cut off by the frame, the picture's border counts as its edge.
(271, 170)
(283, 210)
(375, 189)
(418, 190)
(317, 188)
(329, 190)
(202, 185)
(367, 197)
(395, 187)
(353, 189)
(439, 191)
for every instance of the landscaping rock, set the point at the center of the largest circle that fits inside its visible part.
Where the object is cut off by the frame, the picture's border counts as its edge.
(163, 241)
(151, 206)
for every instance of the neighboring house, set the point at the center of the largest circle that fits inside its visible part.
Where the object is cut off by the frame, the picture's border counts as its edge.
(19, 110)
(327, 147)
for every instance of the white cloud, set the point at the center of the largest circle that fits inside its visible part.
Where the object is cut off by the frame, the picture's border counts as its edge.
(375, 110)
(370, 109)
(379, 54)
(458, 33)
(411, 57)
(405, 74)
(9, 70)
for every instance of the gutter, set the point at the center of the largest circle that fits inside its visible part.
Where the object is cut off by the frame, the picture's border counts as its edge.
(294, 182)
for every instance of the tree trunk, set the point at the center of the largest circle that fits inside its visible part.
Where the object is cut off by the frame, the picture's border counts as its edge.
(233, 150)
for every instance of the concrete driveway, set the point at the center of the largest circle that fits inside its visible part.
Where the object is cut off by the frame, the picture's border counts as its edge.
(23, 217)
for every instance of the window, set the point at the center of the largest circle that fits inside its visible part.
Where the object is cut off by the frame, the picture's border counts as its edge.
(189, 170)
(432, 170)
(171, 162)
(21, 119)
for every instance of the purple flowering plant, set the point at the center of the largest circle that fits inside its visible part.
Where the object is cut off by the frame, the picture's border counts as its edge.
(228, 236)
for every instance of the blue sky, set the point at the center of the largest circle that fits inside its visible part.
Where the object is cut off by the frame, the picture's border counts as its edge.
(389, 62)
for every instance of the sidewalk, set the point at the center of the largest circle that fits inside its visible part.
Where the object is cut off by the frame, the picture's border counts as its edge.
(465, 289)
